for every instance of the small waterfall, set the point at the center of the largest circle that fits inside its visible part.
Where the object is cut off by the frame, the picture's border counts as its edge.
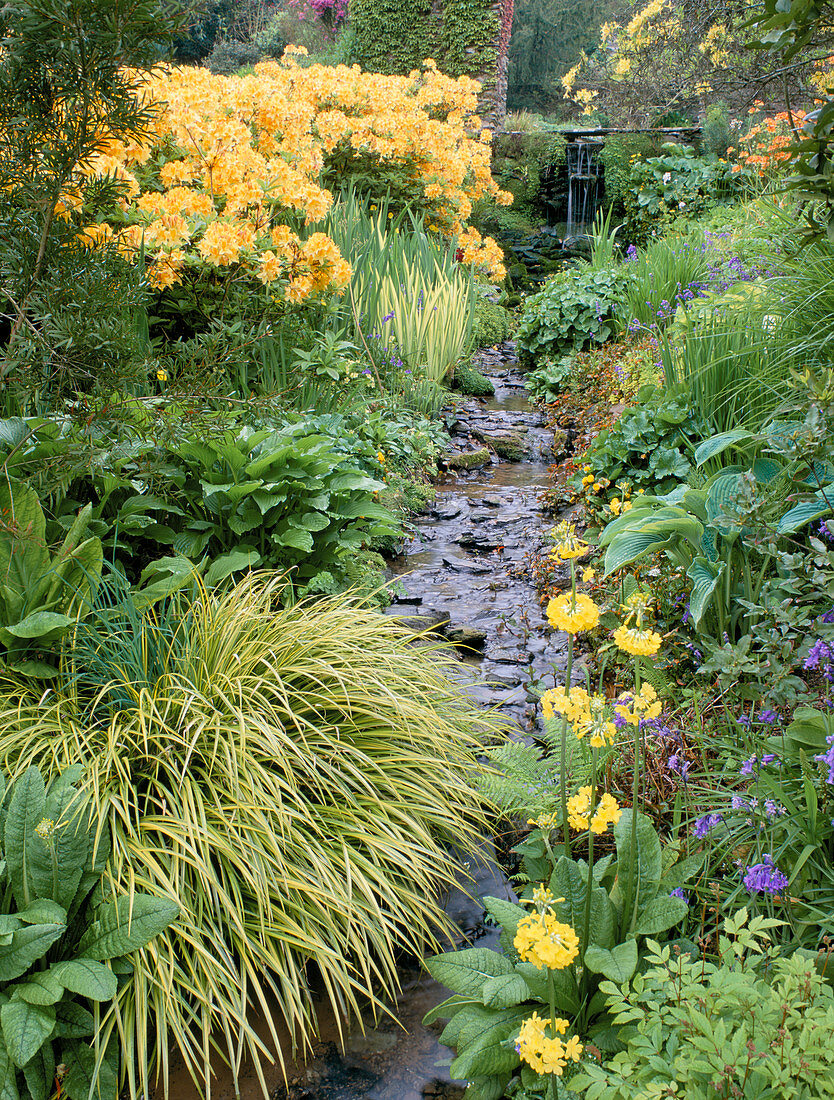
(584, 171)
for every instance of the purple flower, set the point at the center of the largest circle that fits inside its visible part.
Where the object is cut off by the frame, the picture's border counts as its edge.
(748, 765)
(769, 717)
(827, 758)
(764, 878)
(704, 825)
(387, 317)
(678, 893)
(744, 721)
(821, 656)
(768, 758)
(773, 809)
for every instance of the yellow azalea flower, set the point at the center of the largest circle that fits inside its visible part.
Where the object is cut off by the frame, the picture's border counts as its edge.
(162, 375)
(597, 486)
(572, 614)
(615, 505)
(380, 457)
(588, 479)
(543, 1053)
(544, 941)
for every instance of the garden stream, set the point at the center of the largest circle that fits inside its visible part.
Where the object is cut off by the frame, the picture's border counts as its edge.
(465, 575)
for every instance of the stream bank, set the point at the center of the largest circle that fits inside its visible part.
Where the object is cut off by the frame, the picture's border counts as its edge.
(465, 575)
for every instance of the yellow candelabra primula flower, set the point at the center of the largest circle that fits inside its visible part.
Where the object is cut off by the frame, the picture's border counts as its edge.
(633, 635)
(571, 704)
(636, 707)
(568, 544)
(543, 940)
(607, 811)
(572, 613)
(543, 1053)
(594, 722)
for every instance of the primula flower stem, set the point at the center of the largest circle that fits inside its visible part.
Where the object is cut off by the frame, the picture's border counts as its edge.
(564, 751)
(586, 922)
(635, 795)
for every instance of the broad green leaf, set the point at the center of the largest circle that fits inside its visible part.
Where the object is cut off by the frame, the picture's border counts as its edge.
(25, 813)
(40, 989)
(43, 911)
(706, 577)
(26, 1027)
(8, 1075)
(568, 881)
(24, 558)
(638, 866)
(125, 925)
(631, 546)
(57, 866)
(83, 1079)
(504, 991)
(233, 562)
(802, 514)
(45, 625)
(162, 578)
(487, 1088)
(662, 912)
(480, 1042)
(449, 1008)
(719, 443)
(39, 1074)
(86, 977)
(682, 871)
(506, 913)
(809, 729)
(467, 971)
(28, 945)
(617, 965)
(72, 1021)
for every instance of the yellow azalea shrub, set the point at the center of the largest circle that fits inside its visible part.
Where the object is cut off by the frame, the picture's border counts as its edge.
(232, 159)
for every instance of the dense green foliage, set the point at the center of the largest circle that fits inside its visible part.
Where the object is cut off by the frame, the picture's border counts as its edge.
(61, 929)
(576, 306)
(396, 36)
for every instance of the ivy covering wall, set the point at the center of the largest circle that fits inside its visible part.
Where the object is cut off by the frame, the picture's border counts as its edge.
(463, 37)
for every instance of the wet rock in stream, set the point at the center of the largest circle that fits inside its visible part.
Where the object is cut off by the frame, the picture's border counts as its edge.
(467, 565)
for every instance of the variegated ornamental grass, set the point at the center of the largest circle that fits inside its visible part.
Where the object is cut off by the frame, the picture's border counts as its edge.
(296, 778)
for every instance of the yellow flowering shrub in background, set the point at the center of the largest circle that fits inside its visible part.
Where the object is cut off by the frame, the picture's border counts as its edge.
(233, 159)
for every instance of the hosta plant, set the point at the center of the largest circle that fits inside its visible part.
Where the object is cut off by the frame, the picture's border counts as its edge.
(65, 942)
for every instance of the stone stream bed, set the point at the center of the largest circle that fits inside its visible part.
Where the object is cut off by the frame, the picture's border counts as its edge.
(465, 575)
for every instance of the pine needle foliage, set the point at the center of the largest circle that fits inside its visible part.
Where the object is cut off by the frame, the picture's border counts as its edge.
(296, 778)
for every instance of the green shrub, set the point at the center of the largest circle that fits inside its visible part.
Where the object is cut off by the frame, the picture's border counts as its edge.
(296, 779)
(750, 1025)
(618, 154)
(471, 381)
(651, 446)
(677, 184)
(575, 307)
(549, 379)
(492, 324)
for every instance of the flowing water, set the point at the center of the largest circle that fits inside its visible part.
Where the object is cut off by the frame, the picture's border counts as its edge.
(465, 574)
